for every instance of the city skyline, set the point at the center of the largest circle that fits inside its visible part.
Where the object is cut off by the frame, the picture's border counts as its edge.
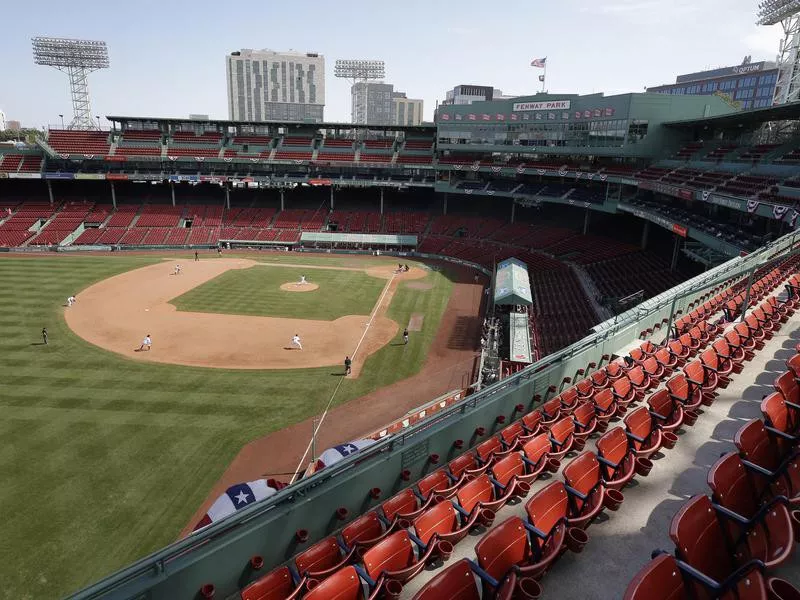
(166, 70)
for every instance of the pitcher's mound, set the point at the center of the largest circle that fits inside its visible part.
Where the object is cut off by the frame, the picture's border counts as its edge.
(293, 286)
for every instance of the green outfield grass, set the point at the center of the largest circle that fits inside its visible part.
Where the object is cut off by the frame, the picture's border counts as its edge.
(105, 459)
(257, 291)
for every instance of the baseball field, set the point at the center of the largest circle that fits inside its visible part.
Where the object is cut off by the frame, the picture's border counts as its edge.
(108, 453)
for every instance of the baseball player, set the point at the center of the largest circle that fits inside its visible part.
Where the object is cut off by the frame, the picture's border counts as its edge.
(405, 335)
(71, 300)
(146, 343)
(44, 335)
(296, 342)
(177, 269)
(302, 280)
(196, 258)
(348, 364)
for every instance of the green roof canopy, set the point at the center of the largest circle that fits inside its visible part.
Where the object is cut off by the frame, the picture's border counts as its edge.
(512, 284)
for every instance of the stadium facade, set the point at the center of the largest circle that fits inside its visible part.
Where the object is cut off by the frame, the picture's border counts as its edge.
(264, 85)
(749, 85)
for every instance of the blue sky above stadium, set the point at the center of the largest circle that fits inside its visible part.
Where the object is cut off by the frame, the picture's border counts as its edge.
(168, 56)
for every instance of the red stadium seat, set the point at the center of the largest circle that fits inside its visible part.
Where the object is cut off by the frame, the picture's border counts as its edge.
(396, 558)
(438, 483)
(347, 584)
(482, 492)
(562, 437)
(443, 522)
(667, 412)
(624, 392)
(585, 488)
(680, 390)
(645, 438)
(507, 548)
(617, 461)
(322, 559)
(585, 420)
(605, 405)
(404, 505)
(275, 585)
(460, 581)
(665, 578)
(774, 472)
(365, 531)
(760, 531)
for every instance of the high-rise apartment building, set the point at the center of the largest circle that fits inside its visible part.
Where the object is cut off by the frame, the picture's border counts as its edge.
(264, 85)
(378, 104)
(2, 121)
(406, 111)
(467, 94)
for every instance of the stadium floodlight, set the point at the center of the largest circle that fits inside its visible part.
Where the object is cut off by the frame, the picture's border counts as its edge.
(359, 73)
(787, 13)
(772, 12)
(76, 58)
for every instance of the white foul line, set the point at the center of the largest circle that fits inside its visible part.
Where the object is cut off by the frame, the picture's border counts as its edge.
(336, 389)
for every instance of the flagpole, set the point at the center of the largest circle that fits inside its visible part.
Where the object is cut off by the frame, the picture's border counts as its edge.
(544, 75)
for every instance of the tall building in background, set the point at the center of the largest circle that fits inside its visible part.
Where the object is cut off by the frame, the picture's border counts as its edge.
(264, 85)
(749, 85)
(378, 104)
(467, 94)
(2, 121)
(406, 111)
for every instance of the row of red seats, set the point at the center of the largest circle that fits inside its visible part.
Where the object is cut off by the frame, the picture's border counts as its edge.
(724, 545)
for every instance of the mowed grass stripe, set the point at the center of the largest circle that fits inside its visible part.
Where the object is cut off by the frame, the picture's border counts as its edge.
(256, 291)
(104, 459)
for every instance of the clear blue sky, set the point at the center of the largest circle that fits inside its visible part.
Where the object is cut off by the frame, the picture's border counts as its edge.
(168, 56)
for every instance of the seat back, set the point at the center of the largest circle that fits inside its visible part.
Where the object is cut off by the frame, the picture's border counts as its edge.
(466, 461)
(456, 582)
(637, 376)
(532, 419)
(401, 503)
(678, 386)
(512, 432)
(742, 330)
(548, 507)
(752, 323)
(677, 348)
(474, 492)
(604, 399)
(600, 378)
(723, 348)
(688, 341)
(394, 553)
(441, 518)
(344, 584)
(622, 387)
(569, 397)
(584, 386)
(773, 407)
(614, 369)
(640, 423)
(583, 474)
(754, 445)
(537, 447)
(562, 429)
(487, 448)
(787, 386)
(584, 413)
(694, 371)
(710, 359)
(508, 467)
(648, 347)
(699, 540)
(661, 403)
(613, 445)
(366, 527)
(322, 556)
(731, 485)
(552, 408)
(275, 585)
(435, 482)
(660, 579)
(503, 547)
(638, 354)
(650, 364)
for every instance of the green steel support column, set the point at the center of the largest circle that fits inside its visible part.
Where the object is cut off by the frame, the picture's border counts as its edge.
(445, 204)
(331, 197)
(671, 319)
(172, 191)
(282, 198)
(50, 191)
(586, 222)
(675, 252)
(228, 197)
(645, 234)
(113, 196)
(381, 200)
(513, 209)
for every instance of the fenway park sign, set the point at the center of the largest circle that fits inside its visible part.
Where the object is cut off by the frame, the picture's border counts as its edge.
(552, 105)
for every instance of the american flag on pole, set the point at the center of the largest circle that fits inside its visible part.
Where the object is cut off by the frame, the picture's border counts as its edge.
(539, 63)
(237, 497)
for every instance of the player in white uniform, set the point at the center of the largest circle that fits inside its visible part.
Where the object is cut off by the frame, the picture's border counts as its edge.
(71, 300)
(296, 342)
(146, 343)
(302, 280)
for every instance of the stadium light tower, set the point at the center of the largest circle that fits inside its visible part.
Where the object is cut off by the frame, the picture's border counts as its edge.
(76, 58)
(787, 13)
(359, 71)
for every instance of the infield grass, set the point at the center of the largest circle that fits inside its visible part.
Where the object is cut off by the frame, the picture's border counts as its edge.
(104, 459)
(257, 291)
